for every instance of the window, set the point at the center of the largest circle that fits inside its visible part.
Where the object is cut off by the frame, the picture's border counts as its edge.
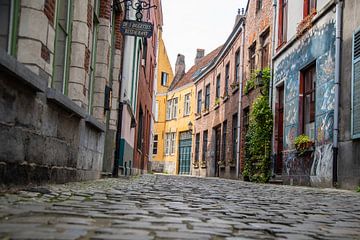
(140, 137)
(227, 76)
(307, 90)
(207, 97)
(224, 141)
(246, 118)
(309, 7)
(283, 21)
(95, 28)
(237, 66)
(258, 5)
(62, 46)
(171, 109)
(265, 49)
(234, 135)
(187, 105)
(174, 108)
(356, 86)
(155, 144)
(9, 17)
(197, 146)
(252, 58)
(204, 148)
(156, 111)
(168, 109)
(170, 143)
(164, 78)
(199, 101)
(218, 78)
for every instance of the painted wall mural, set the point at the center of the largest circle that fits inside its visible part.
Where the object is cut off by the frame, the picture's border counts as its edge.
(318, 46)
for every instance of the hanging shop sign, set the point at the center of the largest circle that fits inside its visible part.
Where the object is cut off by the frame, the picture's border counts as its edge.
(138, 29)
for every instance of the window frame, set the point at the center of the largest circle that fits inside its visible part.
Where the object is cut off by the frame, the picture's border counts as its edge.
(67, 53)
(227, 78)
(164, 75)
(235, 135)
(207, 97)
(204, 147)
(13, 22)
(174, 111)
(237, 66)
(308, 9)
(252, 57)
(187, 102)
(355, 60)
(302, 98)
(155, 144)
(199, 102)
(197, 147)
(92, 66)
(223, 145)
(265, 49)
(218, 86)
(283, 22)
(259, 5)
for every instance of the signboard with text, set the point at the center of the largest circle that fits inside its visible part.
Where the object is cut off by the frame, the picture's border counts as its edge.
(138, 29)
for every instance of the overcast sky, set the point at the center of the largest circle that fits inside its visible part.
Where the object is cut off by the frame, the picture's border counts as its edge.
(192, 24)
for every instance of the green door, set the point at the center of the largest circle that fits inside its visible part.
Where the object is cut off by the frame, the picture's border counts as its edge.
(185, 152)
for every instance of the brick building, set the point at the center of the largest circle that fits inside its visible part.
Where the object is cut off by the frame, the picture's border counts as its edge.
(58, 61)
(215, 144)
(257, 56)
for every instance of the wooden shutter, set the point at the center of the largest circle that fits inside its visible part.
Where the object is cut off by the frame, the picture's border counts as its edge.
(356, 86)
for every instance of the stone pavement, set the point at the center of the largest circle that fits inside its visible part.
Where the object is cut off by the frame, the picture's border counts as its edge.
(175, 207)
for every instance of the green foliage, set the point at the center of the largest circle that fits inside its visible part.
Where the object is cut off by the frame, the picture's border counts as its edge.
(217, 101)
(358, 189)
(303, 143)
(251, 83)
(258, 138)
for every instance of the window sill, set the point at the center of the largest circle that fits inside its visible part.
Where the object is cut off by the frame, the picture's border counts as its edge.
(95, 123)
(198, 117)
(216, 106)
(63, 101)
(21, 72)
(226, 98)
(235, 89)
(206, 113)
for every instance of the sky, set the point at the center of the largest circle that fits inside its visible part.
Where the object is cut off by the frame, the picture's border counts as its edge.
(193, 24)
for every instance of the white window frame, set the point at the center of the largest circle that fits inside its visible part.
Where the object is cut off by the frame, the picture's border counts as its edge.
(174, 108)
(169, 109)
(172, 143)
(187, 106)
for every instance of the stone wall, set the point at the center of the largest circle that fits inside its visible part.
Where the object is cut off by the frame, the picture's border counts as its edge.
(44, 135)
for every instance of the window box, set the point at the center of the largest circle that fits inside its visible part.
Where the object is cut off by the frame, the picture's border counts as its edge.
(196, 164)
(225, 98)
(221, 163)
(305, 24)
(197, 116)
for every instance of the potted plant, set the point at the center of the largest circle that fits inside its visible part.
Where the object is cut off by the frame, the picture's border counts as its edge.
(303, 143)
(196, 164)
(203, 164)
(234, 85)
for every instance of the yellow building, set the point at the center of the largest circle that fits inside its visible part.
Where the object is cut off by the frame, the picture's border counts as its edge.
(174, 115)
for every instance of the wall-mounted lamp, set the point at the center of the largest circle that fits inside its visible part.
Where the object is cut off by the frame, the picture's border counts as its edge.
(190, 126)
(138, 6)
(259, 82)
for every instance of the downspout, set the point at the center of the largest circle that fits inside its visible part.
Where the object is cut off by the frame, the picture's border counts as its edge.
(238, 166)
(115, 172)
(272, 78)
(339, 9)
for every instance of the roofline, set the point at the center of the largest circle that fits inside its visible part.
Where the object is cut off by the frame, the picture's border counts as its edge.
(236, 31)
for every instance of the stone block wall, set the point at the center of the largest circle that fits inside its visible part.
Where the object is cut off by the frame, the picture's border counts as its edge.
(66, 144)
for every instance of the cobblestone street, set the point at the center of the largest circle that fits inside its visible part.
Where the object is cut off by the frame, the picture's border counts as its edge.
(174, 207)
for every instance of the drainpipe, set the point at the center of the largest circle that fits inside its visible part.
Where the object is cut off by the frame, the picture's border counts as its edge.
(115, 172)
(272, 78)
(238, 167)
(339, 9)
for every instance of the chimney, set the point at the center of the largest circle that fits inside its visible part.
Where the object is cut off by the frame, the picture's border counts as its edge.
(179, 67)
(200, 53)
(240, 14)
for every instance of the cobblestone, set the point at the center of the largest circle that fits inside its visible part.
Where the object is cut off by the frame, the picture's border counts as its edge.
(177, 207)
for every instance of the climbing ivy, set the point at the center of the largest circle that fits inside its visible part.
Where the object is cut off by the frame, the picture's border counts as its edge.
(258, 138)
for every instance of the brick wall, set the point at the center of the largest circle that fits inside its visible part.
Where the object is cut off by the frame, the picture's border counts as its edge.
(49, 10)
(257, 22)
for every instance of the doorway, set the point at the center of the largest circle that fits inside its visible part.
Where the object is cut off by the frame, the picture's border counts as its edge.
(279, 130)
(185, 152)
(217, 149)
